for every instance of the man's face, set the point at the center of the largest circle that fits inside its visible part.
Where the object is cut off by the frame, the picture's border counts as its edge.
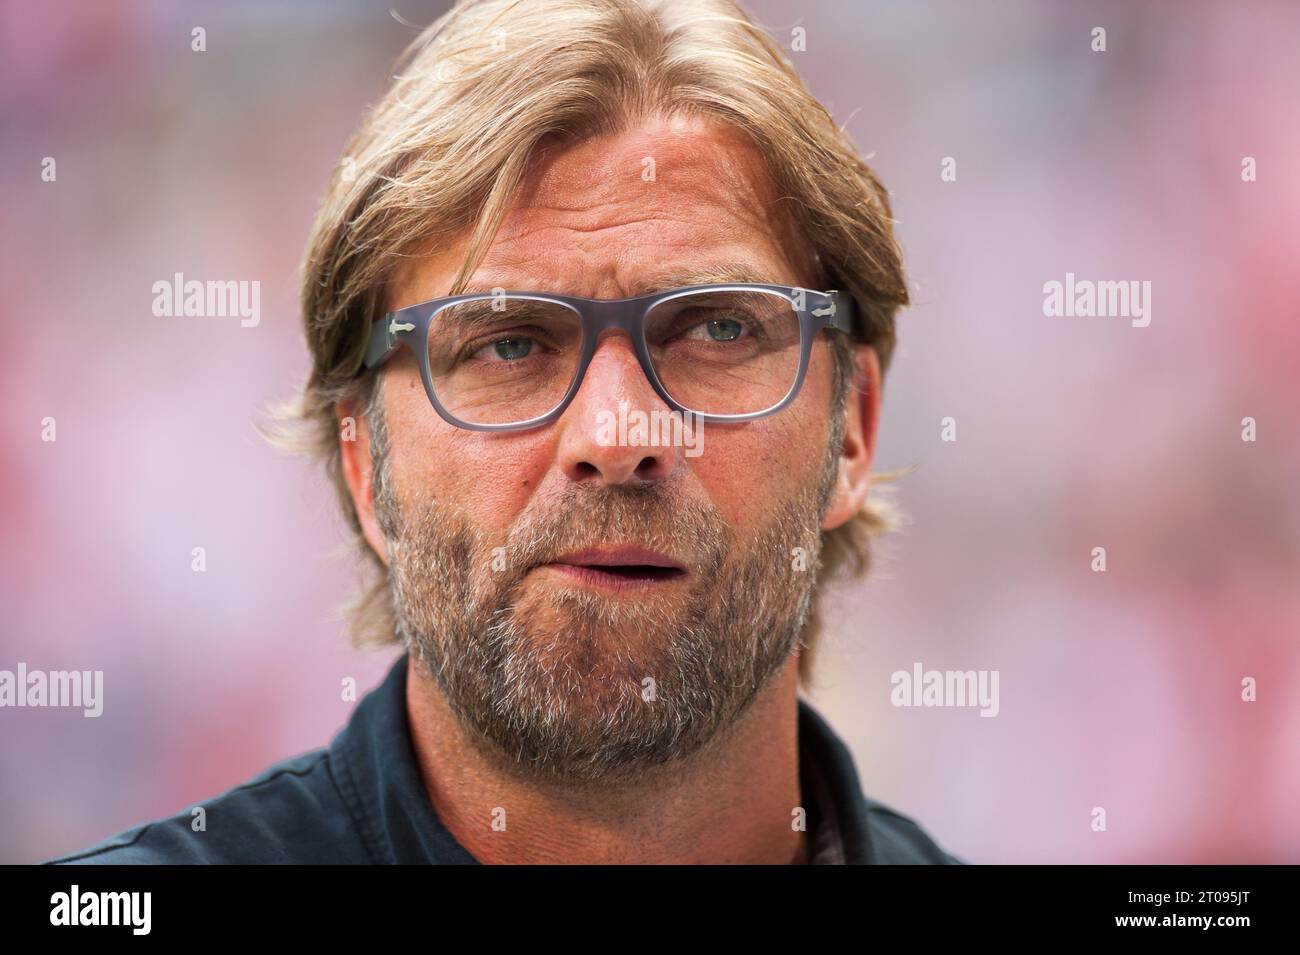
(567, 670)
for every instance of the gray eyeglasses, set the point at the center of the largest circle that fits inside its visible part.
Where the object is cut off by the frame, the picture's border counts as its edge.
(506, 361)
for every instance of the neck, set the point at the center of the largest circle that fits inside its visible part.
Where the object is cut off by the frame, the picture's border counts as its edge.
(731, 802)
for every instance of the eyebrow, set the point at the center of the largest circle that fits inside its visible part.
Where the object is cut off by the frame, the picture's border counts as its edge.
(473, 315)
(725, 273)
(731, 273)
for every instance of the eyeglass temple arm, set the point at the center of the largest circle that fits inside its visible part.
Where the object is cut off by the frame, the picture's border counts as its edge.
(836, 310)
(383, 337)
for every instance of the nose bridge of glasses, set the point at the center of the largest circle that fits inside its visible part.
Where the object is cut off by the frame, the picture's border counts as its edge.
(601, 316)
(612, 335)
(613, 323)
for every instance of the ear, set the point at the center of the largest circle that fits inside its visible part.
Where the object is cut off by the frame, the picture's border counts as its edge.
(862, 422)
(354, 444)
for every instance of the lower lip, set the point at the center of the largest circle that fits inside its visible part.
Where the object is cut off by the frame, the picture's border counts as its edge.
(609, 581)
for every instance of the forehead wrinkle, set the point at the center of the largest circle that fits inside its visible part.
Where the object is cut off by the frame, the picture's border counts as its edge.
(714, 162)
(726, 253)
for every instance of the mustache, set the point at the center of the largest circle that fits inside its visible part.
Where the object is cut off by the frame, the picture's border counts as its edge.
(688, 529)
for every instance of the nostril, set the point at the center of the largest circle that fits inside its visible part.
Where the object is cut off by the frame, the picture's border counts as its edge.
(652, 467)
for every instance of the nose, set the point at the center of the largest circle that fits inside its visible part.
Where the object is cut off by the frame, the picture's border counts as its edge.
(600, 440)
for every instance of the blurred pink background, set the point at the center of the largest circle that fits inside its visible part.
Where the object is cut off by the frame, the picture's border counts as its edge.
(1120, 690)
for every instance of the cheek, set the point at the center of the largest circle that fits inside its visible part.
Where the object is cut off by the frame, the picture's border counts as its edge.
(489, 477)
(749, 469)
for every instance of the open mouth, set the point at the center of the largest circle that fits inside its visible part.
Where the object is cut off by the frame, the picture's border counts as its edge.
(646, 572)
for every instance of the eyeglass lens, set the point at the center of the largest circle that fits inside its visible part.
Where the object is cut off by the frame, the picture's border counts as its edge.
(504, 359)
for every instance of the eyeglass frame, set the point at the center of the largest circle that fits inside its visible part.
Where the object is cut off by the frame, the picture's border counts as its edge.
(409, 327)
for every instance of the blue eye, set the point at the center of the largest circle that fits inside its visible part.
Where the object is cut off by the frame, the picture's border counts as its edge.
(717, 330)
(511, 349)
(724, 329)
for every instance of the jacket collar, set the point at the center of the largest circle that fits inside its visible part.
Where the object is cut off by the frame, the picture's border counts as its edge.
(379, 780)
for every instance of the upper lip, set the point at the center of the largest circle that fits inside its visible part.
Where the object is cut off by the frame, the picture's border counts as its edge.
(627, 555)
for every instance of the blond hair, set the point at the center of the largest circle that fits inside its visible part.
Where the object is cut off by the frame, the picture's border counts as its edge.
(446, 147)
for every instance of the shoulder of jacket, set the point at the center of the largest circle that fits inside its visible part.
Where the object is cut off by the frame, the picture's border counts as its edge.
(898, 839)
(289, 812)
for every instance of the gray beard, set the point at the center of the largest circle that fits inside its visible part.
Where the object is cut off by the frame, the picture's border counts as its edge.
(567, 685)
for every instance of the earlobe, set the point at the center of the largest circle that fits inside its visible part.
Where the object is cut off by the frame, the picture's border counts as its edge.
(858, 448)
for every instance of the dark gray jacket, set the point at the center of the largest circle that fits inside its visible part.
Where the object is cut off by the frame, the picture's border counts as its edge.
(362, 801)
